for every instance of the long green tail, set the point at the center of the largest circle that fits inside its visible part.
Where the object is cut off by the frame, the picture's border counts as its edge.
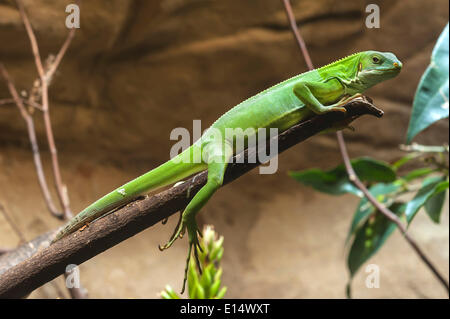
(168, 173)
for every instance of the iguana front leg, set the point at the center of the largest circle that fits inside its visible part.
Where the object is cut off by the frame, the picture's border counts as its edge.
(317, 96)
(218, 155)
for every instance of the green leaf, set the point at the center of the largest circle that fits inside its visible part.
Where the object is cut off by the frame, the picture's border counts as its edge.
(216, 252)
(325, 182)
(336, 182)
(372, 170)
(420, 172)
(405, 159)
(221, 293)
(431, 98)
(434, 204)
(192, 279)
(200, 292)
(370, 238)
(348, 290)
(206, 279)
(169, 293)
(165, 295)
(365, 208)
(431, 186)
(193, 291)
(218, 274)
(215, 288)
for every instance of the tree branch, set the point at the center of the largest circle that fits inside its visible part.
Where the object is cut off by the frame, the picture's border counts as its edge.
(36, 263)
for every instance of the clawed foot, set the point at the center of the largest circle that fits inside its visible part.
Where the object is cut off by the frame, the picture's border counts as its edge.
(339, 105)
(193, 232)
(193, 244)
(338, 108)
(350, 98)
(179, 231)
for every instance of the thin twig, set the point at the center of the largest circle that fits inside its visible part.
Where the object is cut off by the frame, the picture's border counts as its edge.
(60, 186)
(6, 101)
(33, 141)
(30, 103)
(298, 37)
(350, 171)
(32, 37)
(33, 104)
(414, 147)
(54, 65)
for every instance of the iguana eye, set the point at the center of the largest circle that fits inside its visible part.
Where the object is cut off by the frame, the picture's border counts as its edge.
(375, 59)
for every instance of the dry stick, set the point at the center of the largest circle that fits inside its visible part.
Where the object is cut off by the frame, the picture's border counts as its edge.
(6, 101)
(298, 37)
(44, 82)
(30, 103)
(60, 187)
(33, 104)
(54, 65)
(33, 141)
(21, 274)
(348, 166)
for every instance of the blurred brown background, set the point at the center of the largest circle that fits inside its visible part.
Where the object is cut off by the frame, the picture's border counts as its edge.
(138, 69)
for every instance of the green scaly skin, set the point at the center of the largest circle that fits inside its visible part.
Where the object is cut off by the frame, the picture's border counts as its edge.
(318, 91)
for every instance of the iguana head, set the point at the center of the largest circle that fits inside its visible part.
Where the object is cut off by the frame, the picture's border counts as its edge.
(375, 67)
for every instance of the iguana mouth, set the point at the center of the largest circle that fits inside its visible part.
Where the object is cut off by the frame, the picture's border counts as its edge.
(395, 68)
(383, 70)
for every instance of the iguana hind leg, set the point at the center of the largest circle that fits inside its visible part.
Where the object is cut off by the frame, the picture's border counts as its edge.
(219, 154)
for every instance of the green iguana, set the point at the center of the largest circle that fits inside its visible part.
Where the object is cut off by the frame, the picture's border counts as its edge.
(318, 91)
